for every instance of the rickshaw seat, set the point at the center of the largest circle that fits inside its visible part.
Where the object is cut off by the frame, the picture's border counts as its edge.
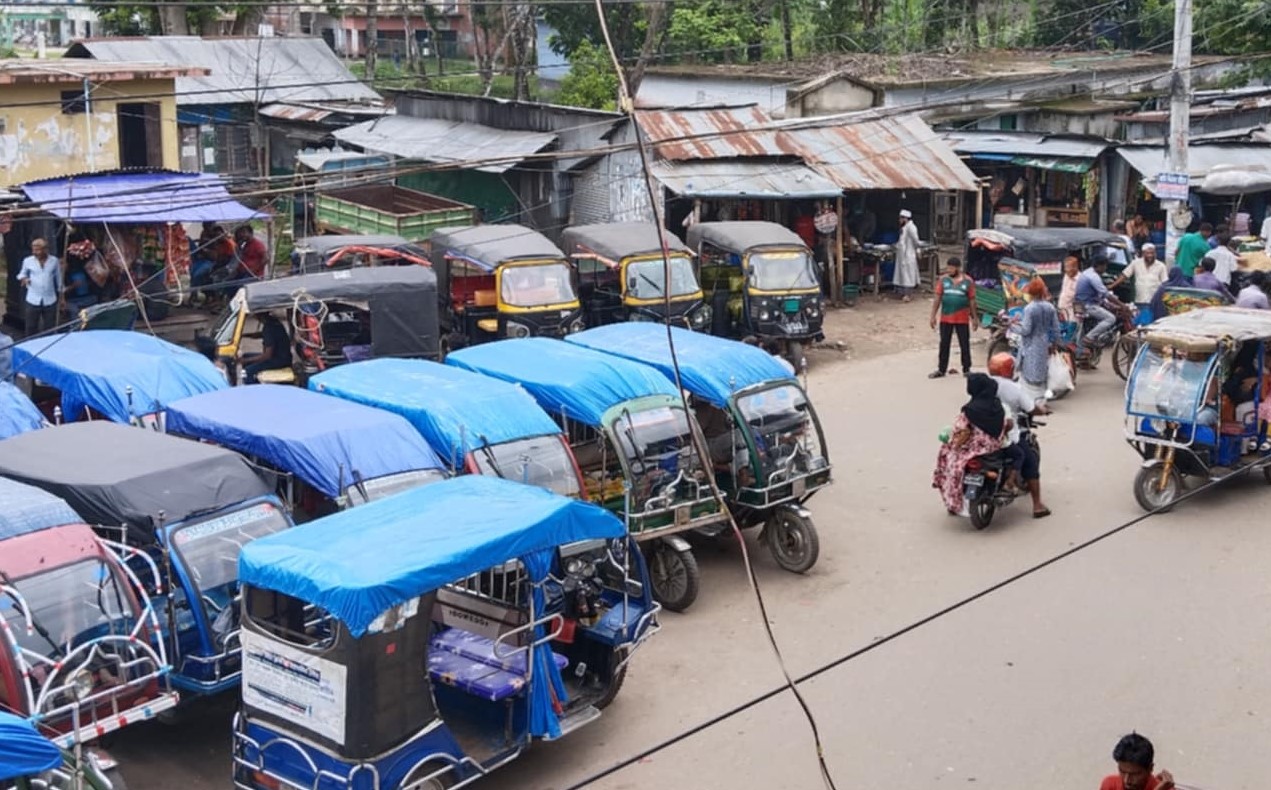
(279, 376)
(610, 628)
(467, 662)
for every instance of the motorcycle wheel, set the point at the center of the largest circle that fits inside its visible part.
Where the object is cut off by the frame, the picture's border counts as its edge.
(793, 541)
(1123, 354)
(674, 574)
(981, 510)
(1148, 493)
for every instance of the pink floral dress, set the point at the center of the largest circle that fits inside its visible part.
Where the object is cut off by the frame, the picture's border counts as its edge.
(951, 461)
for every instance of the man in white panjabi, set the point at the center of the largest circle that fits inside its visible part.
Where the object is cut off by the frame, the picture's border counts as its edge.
(906, 274)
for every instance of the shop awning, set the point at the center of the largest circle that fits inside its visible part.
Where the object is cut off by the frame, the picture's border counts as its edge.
(1151, 160)
(736, 178)
(434, 140)
(1048, 152)
(1054, 163)
(139, 198)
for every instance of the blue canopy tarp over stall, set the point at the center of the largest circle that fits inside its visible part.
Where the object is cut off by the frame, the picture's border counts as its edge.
(578, 382)
(712, 368)
(96, 368)
(23, 751)
(25, 509)
(327, 442)
(144, 197)
(455, 410)
(17, 413)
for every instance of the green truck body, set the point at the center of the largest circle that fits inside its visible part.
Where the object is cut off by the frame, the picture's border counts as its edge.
(387, 209)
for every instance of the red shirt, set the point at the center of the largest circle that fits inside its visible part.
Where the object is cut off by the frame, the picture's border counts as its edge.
(1114, 783)
(252, 257)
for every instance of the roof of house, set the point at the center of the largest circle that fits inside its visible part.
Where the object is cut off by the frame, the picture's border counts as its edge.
(433, 140)
(25, 71)
(238, 70)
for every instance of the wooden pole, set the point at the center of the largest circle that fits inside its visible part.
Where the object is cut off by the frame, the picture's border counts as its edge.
(837, 296)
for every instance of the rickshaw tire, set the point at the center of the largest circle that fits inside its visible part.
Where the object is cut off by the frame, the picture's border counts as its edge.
(1147, 476)
(1123, 354)
(796, 355)
(116, 780)
(614, 687)
(692, 578)
(811, 542)
(981, 511)
(439, 783)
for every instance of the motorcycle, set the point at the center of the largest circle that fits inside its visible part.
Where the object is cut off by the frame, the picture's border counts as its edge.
(1122, 339)
(984, 479)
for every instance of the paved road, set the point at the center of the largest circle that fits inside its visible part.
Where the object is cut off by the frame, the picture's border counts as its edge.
(1161, 628)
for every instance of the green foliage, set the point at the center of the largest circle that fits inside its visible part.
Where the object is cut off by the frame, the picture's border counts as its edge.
(119, 19)
(591, 81)
(713, 31)
(576, 23)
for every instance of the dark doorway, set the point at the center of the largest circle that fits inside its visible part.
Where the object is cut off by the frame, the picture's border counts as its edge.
(140, 135)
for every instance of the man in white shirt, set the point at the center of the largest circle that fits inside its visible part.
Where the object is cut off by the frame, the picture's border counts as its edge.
(41, 276)
(1148, 274)
(1265, 233)
(1226, 261)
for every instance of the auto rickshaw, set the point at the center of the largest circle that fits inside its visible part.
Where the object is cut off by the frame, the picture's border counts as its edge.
(113, 374)
(1194, 400)
(632, 438)
(17, 413)
(761, 280)
(477, 424)
(766, 443)
(328, 454)
(320, 253)
(502, 281)
(515, 643)
(335, 317)
(186, 508)
(1043, 250)
(622, 275)
(81, 650)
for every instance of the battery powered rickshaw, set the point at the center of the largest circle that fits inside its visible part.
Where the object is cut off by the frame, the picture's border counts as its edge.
(502, 281)
(81, 649)
(17, 413)
(633, 440)
(761, 280)
(328, 454)
(477, 424)
(622, 275)
(334, 317)
(186, 507)
(112, 374)
(433, 663)
(765, 440)
(1196, 400)
(1044, 250)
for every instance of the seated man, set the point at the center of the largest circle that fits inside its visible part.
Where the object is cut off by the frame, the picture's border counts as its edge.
(1091, 295)
(1025, 460)
(275, 352)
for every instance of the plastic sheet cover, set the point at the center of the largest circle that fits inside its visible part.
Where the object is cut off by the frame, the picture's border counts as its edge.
(324, 441)
(455, 410)
(358, 563)
(564, 378)
(25, 508)
(712, 368)
(23, 751)
(17, 413)
(96, 368)
(118, 475)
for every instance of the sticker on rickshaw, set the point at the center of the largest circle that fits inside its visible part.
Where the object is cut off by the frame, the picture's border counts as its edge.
(1014, 277)
(1185, 300)
(301, 688)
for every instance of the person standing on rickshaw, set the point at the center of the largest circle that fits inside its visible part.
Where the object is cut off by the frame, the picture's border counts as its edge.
(955, 305)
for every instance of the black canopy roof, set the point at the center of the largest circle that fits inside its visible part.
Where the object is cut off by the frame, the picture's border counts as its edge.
(740, 236)
(493, 244)
(358, 284)
(120, 475)
(618, 240)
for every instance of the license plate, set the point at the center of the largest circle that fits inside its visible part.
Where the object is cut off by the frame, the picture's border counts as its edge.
(973, 480)
(799, 487)
(683, 515)
(792, 306)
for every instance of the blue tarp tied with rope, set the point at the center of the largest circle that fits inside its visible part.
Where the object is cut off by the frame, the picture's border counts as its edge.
(17, 413)
(23, 751)
(146, 197)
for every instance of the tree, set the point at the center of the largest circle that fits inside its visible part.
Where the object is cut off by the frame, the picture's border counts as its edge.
(638, 31)
(713, 31)
(591, 81)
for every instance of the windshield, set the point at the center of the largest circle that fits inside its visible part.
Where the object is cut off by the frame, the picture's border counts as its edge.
(786, 439)
(386, 486)
(1169, 386)
(210, 548)
(782, 271)
(535, 285)
(69, 604)
(645, 278)
(541, 461)
(658, 446)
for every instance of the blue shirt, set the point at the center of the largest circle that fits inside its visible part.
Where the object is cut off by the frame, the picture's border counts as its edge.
(1090, 287)
(45, 281)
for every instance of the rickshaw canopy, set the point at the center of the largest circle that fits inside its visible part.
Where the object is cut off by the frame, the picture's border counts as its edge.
(712, 368)
(358, 563)
(17, 413)
(617, 240)
(488, 246)
(97, 369)
(739, 236)
(25, 509)
(327, 442)
(1211, 326)
(565, 379)
(23, 751)
(450, 407)
(118, 475)
(1041, 245)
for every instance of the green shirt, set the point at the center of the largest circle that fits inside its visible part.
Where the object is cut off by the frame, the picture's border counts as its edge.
(955, 300)
(1191, 248)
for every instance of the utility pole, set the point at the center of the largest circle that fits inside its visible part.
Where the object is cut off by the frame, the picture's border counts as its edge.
(1179, 115)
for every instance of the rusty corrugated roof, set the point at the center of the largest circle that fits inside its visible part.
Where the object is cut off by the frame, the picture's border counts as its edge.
(709, 133)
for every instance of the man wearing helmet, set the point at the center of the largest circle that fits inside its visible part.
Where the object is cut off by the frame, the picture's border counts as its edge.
(1025, 460)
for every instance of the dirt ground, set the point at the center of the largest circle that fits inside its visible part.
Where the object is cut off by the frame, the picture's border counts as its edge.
(882, 325)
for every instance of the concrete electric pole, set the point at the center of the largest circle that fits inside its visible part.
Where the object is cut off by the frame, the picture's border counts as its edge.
(1179, 116)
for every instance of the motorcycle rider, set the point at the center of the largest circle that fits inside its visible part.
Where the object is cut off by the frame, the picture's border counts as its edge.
(1092, 296)
(1025, 460)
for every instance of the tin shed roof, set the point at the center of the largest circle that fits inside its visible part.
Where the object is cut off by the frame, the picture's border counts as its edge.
(435, 140)
(713, 133)
(743, 178)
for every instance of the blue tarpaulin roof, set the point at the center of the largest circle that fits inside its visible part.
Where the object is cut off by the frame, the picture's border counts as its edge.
(17, 413)
(23, 751)
(323, 441)
(455, 410)
(358, 563)
(144, 197)
(563, 378)
(712, 368)
(25, 508)
(95, 368)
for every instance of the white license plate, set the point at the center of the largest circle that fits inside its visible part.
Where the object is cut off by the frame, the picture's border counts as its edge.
(973, 480)
(799, 487)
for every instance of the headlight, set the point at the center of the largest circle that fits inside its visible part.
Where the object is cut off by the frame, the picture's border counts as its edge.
(580, 568)
(577, 325)
(82, 684)
(707, 314)
(700, 317)
(763, 315)
(516, 329)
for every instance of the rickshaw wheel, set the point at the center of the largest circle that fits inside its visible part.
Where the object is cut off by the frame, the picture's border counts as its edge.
(116, 781)
(1147, 493)
(674, 575)
(796, 355)
(1123, 355)
(981, 511)
(793, 541)
(615, 686)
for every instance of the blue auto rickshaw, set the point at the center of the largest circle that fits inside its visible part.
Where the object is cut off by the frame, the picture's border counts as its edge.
(328, 453)
(424, 640)
(766, 443)
(1195, 399)
(111, 374)
(477, 424)
(17, 413)
(632, 438)
(186, 507)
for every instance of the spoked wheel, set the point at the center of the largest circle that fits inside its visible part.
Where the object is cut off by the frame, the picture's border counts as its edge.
(674, 575)
(793, 541)
(1123, 354)
(1151, 494)
(981, 510)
